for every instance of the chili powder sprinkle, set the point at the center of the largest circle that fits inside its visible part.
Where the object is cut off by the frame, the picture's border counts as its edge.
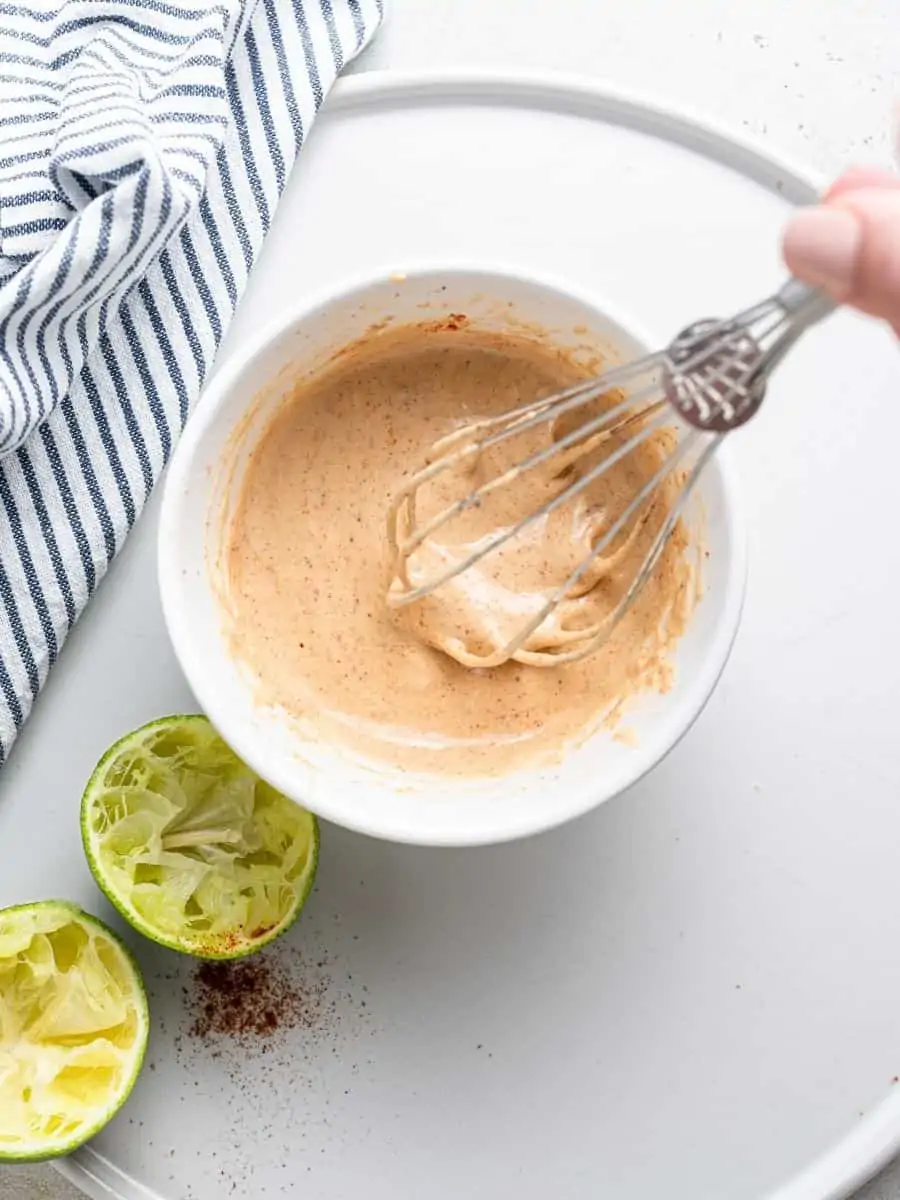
(254, 997)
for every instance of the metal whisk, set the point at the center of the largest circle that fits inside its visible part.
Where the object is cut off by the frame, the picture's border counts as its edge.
(713, 375)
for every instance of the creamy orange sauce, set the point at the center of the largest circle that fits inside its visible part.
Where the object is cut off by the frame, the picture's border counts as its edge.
(308, 564)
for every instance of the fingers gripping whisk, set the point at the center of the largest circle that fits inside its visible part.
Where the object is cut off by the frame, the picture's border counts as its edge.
(654, 422)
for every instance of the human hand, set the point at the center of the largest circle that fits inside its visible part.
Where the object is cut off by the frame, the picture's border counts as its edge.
(849, 243)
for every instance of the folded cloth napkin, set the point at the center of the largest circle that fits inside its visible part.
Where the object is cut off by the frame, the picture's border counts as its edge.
(143, 148)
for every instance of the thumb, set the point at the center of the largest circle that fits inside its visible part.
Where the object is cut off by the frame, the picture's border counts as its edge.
(850, 247)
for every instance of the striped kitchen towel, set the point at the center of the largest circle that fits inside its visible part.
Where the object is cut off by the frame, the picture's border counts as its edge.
(143, 148)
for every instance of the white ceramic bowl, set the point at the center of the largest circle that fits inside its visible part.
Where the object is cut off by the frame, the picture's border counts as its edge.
(203, 483)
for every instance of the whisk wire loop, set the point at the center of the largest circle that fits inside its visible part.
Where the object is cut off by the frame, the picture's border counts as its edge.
(707, 382)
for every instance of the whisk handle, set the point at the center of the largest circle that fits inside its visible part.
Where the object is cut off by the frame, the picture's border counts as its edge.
(804, 304)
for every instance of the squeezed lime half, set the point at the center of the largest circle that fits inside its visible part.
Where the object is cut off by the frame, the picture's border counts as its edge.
(73, 1029)
(191, 846)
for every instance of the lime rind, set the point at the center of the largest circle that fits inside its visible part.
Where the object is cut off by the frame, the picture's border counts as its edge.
(191, 846)
(74, 1025)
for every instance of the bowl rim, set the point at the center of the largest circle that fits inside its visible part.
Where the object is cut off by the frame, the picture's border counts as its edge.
(178, 624)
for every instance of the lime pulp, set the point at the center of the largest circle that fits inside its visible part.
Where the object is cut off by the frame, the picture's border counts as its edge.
(191, 846)
(73, 1029)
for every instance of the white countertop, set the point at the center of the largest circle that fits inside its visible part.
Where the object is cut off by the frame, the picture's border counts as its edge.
(817, 79)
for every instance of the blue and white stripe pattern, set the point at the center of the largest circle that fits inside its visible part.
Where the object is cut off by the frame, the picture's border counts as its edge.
(143, 148)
